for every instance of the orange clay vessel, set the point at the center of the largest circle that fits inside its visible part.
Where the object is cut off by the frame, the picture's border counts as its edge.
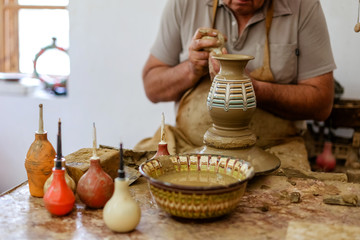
(39, 159)
(59, 199)
(95, 187)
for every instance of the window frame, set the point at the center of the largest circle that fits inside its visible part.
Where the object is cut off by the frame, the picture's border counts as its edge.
(9, 33)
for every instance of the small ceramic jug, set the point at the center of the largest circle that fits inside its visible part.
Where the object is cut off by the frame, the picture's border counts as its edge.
(121, 213)
(95, 187)
(59, 198)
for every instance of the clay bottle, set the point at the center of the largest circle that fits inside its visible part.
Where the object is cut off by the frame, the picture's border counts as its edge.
(121, 213)
(69, 181)
(162, 146)
(95, 187)
(59, 199)
(326, 160)
(39, 159)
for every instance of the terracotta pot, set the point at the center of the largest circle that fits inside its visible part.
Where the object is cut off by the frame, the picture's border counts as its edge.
(231, 102)
(95, 187)
(39, 163)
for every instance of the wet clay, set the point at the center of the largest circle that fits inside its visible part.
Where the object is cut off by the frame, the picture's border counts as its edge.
(198, 178)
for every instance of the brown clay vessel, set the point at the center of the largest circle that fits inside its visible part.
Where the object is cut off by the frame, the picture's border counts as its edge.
(39, 159)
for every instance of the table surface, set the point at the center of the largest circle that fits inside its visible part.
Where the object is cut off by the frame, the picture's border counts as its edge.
(265, 212)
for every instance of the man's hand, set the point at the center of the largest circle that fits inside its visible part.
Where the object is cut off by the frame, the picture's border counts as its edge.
(214, 64)
(163, 82)
(202, 44)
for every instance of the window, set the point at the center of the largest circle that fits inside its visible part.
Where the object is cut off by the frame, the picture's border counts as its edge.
(26, 27)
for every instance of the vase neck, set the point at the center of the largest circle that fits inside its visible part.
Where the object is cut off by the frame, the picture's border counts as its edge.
(41, 136)
(59, 175)
(121, 187)
(94, 162)
(327, 146)
(234, 68)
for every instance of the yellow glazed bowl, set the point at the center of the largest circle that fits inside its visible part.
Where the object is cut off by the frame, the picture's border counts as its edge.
(199, 199)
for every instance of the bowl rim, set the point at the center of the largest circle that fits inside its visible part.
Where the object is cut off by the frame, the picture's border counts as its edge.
(203, 189)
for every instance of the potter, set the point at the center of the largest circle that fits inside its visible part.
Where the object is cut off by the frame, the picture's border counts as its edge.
(291, 73)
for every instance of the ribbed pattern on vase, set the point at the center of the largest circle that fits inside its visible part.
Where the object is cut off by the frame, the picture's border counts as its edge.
(231, 94)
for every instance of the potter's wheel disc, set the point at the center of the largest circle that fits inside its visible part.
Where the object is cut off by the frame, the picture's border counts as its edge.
(262, 161)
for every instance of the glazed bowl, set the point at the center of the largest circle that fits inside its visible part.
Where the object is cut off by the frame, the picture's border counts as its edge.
(197, 186)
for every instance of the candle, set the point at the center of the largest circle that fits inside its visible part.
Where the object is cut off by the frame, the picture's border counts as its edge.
(41, 121)
(58, 164)
(94, 142)
(162, 129)
(121, 172)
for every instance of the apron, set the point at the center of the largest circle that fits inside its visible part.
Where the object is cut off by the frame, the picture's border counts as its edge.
(193, 120)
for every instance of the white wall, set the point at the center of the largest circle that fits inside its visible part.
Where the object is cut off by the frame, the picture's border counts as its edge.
(341, 17)
(110, 42)
(109, 45)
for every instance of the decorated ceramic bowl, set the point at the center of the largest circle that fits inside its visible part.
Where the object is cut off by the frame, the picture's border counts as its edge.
(197, 186)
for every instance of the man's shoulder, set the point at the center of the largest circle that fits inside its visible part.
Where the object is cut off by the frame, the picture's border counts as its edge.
(302, 6)
(292, 3)
(187, 8)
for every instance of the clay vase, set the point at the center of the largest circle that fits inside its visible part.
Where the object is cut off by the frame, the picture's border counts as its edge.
(231, 103)
(69, 181)
(59, 199)
(95, 187)
(39, 163)
(121, 213)
(326, 160)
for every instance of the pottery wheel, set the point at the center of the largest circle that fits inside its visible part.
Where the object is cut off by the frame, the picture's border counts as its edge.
(262, 161)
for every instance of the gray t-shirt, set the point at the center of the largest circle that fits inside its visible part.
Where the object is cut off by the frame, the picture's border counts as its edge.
(299, 40)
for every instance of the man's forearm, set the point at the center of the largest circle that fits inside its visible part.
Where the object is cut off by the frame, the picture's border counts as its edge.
(310, 99)
(164, 83)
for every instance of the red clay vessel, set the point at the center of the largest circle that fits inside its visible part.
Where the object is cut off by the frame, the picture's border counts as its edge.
(95, 187)
(326, 160)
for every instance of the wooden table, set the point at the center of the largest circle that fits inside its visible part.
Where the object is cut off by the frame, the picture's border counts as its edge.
(265, 212)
